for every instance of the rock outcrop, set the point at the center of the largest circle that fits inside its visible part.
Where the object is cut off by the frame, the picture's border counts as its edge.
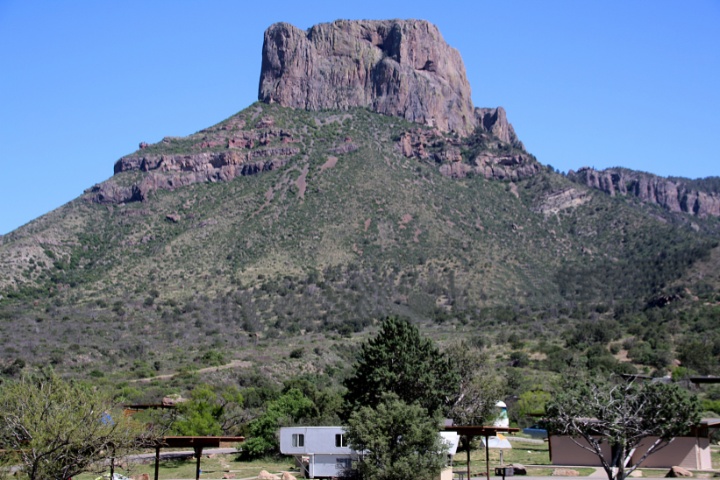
(494, 121)
(216, 154)
(497, 159)
(111, 192)
(672, 195)
(394, 67)
(555, 202)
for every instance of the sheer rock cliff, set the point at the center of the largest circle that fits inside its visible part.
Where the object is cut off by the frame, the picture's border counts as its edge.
(401, 68)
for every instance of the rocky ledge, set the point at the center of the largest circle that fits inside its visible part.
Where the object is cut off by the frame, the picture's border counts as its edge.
(112, 192)
(672, 195)
(493, 150)
(216, 154)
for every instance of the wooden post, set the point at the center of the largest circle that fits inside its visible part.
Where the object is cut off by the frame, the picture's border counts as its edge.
(487, 456)
(469, 441)
(198, 454)
(157, 462)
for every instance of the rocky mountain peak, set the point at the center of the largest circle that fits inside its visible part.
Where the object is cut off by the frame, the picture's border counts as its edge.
(401, 68)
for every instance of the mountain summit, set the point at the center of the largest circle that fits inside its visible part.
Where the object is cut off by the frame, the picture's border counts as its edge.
(401, 68)
(398, 68)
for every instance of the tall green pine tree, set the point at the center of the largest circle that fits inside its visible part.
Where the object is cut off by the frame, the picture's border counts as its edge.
(398, 360)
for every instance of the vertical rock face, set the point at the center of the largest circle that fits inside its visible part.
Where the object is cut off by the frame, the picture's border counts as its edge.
(402, 68)
(494, 120)
(674, 196)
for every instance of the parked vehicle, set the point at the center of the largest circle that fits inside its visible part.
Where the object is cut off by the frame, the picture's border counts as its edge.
(323, 452)
(536, 431)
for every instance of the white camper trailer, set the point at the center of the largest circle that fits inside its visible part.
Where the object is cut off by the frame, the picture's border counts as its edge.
(324, 452)
(320, 451)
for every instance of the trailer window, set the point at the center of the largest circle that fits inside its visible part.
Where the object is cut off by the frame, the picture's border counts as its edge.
(340, 440)
(298, 439)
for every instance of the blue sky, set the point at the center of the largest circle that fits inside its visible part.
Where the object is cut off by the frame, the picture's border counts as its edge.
(585, 83)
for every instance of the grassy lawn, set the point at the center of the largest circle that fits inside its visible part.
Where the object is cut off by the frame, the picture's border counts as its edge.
(535, 456)
(214, 467)
(523, 453)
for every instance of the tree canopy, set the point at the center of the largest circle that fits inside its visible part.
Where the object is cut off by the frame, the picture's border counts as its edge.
(398, 360)
(622, 414)
(287, 410)
(398, 441)
(479, 387)
(56, 429)
(210, 411)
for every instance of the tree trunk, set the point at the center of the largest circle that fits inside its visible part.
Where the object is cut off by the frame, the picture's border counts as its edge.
(620, 475)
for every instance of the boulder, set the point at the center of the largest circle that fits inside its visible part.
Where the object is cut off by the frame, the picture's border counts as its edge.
(565, 472)
(679, 472)
(265, 475)
(519, 469)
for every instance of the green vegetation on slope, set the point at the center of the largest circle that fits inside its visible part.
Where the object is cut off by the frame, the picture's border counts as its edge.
(307, 256)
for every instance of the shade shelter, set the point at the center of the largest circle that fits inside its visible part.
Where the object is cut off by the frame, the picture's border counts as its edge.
(691, 451)
(196, 443)
(471, 431)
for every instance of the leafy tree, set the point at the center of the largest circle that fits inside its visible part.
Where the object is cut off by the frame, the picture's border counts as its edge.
(209, 412)
(13, 369)
(479, 389)
(327, 399)
(623, 415)
(57, 429)
(289, 409)
(599, 359)
(400, 361)
(593, 333)
(532, 402)
(398, 441)
(697, 355)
